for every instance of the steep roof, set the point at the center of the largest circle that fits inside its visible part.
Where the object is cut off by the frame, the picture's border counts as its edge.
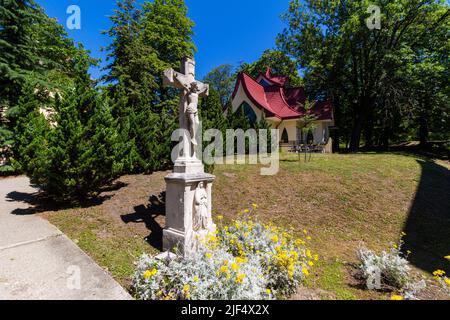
(278, 101)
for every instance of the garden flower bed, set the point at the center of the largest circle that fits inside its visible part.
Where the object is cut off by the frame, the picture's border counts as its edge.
(245, 260)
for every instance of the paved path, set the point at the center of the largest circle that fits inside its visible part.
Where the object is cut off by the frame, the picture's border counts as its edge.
(37, 261)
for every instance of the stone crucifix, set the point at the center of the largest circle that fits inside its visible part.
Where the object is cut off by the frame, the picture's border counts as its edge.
(189, 188)
(191, 91)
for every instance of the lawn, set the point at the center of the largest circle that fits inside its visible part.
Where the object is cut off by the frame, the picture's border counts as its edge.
(343, 200)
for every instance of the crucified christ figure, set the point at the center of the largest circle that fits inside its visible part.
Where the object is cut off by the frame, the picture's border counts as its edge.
(192, 90)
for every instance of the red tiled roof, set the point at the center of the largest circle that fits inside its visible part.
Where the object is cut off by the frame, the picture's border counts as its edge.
(277, 80)
(278, 101)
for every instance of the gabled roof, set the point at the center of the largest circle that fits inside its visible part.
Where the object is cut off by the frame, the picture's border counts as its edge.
(273, 79)
(280, 102)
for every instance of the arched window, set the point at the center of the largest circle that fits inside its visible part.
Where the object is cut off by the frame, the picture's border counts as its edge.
(248, 111)
(285, 136)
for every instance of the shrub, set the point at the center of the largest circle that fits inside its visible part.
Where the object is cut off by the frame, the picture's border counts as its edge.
(285, 260)
(244, 261)
(388, 271)
(75, 158)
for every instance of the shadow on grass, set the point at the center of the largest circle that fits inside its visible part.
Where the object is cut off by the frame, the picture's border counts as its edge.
(39, 202)
(147, 215)
(428, 226)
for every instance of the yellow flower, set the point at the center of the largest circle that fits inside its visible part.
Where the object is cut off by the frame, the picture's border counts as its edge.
(220, 218)
(225, 262)
(196, 279)
(246, 211)
(255, 206)
(316, 257)
(308, 253)
(223, 269)
(447, 258)
(208, 255)
(308, 238)
(397, 297)
(439, 273)
(186, 288)
(240, 277)
(447, 281)
(234, 266)
(240, 260)
(311, 264)
(268, 291)
(395, 246)
(274, 238)
(150, 273)
(305, 271)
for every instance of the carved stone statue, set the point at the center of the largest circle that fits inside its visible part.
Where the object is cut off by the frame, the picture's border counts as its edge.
(201, 217)
(192, 90)
(189, 188)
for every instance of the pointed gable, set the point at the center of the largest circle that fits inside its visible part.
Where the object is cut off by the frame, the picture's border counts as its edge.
(269, 93)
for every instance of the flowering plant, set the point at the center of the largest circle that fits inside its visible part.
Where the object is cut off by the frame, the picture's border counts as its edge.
(246, 260)
(389, 270)
(440, 276)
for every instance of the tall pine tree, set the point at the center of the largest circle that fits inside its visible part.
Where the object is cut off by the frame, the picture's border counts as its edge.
(35, 53)
(146, 42)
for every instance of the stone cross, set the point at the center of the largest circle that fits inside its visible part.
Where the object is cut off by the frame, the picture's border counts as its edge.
(191, 91)
(189, 188)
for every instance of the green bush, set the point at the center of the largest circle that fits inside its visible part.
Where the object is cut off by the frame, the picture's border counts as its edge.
(74, 157)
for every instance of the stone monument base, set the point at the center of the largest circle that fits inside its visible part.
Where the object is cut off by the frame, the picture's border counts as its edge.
(182, 209)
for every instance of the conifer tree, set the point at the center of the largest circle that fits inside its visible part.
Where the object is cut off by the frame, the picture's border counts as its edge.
(145, 42)
(82, 153)
(36, 54)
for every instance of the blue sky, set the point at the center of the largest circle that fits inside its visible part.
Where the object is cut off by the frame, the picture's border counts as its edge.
(227, 31)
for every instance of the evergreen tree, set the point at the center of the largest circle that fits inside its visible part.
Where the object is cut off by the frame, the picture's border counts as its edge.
(35, 53)
(82, 153)
(146, 42)
(222, 80)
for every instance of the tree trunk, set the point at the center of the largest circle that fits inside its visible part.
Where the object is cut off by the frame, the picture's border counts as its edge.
(362, 114)
(368, 132)
(356, 135)
(423, 124)
(336, 140)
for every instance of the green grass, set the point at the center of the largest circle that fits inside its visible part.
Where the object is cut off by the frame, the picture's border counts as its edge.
(331, 278)
(342, 200)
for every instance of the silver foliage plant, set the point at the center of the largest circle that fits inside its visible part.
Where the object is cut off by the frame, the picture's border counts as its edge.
(389, 270)
(198, 278)
(244, 261)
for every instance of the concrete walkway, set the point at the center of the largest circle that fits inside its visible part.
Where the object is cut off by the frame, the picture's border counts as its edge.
(37, 261)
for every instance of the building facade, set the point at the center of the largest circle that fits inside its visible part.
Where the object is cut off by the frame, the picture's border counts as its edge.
(283, 108)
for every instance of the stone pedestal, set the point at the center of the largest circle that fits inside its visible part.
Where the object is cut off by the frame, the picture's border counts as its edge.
(186, 219)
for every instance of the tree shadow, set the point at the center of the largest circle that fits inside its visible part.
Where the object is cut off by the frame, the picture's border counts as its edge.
(428, 226)
(148, 215)
(40, 202)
